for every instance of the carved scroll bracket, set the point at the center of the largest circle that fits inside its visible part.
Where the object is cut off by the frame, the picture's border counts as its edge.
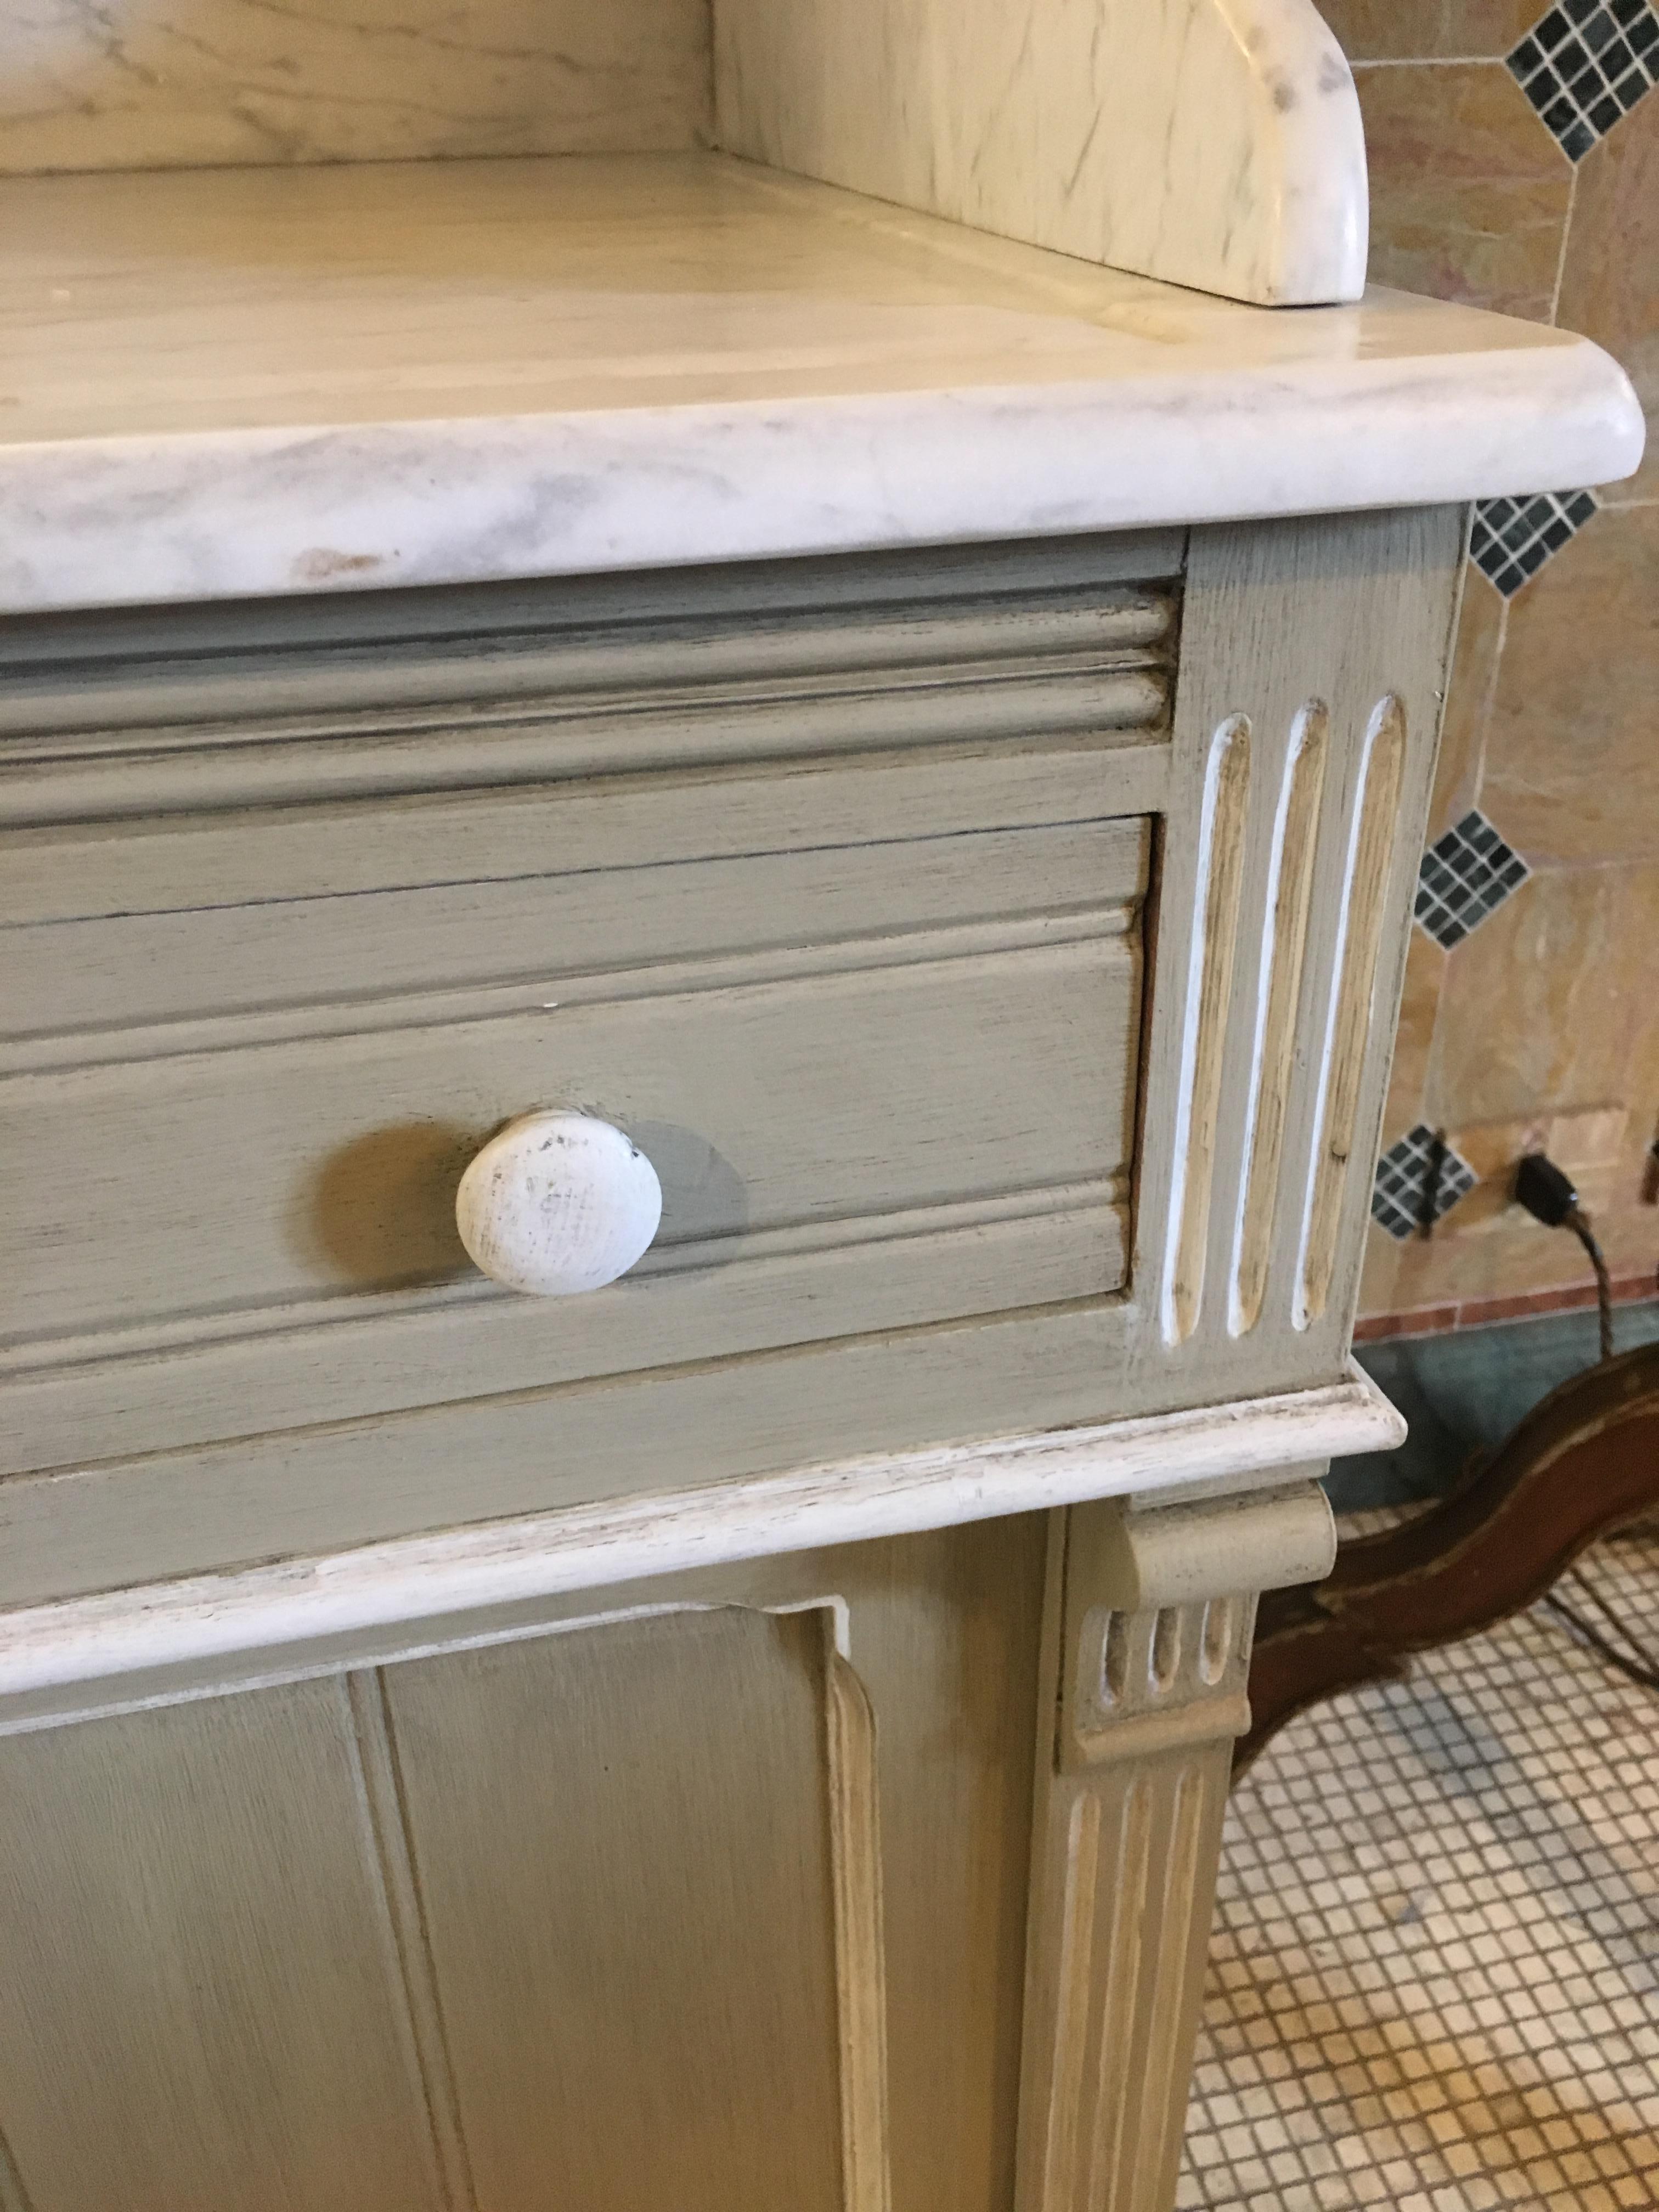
(1159, 1604)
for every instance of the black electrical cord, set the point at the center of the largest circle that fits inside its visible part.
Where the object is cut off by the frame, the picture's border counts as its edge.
(1643, 1670)
(1619, 1626)
(1549, 1197)
(1578, 1221)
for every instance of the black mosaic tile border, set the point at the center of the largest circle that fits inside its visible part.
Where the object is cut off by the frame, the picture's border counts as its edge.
(1418, 1180)
(1512, 539)
(1464, 876)
(1585, 66)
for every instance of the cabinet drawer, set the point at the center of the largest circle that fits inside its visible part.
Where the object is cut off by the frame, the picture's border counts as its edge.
(832, 884)
(885, 1079)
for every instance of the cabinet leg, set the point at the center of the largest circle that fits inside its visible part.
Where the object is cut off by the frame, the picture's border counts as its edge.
(1153, 1611)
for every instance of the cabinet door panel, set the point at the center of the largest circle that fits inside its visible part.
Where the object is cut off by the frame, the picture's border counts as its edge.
(200, 2002)
(622, 1838)
(678, 1905)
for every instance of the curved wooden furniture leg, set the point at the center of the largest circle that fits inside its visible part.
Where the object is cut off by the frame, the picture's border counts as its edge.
(1584, 1460)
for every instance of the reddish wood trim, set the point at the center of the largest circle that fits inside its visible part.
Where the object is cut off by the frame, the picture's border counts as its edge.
(1583, 1461)
(1476, 1312)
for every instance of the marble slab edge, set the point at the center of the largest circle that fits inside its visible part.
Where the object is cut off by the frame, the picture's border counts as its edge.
(149, 519)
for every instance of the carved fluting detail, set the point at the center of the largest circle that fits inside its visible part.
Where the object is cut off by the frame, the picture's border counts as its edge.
(1151, 1659)
(1209, 1002)
(1242, 1169)
(1289, 887)
(1375, 828)
(1140, 1681)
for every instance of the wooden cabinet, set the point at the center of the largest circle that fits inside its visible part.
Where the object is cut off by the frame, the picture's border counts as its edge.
(667, 640)
(1002, 995)
(754, 1735)
(682, 1904)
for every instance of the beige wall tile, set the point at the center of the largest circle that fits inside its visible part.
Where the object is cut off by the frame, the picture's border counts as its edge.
(1501, 1262)
(1610, 287)
(1552, 1007)
(1425, 969)
(1469, 191)
(1380, 1276)
(1587, 1143)
(1536, 1011)
(1419, 30)
(1468, 704)
(1572, 752)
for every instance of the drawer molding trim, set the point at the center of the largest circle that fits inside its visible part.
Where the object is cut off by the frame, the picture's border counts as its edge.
(257, 1615)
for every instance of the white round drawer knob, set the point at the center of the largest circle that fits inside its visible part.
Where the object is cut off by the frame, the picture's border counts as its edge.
(556, 1203)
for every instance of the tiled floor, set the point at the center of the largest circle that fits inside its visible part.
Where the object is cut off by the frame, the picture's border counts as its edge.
(1434, 1982)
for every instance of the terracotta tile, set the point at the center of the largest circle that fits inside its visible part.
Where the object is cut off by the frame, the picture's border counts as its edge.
(1468, 704)
(1469, 191)
(1479, 1313)
(1372, 1329)
(1426, 1321)
(1474, 1311)
(1418, 30)
(1572, 766)
(1610, 285)
(1562, 1298)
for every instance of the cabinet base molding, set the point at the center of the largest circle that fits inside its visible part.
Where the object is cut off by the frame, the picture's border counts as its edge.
(119, 1649)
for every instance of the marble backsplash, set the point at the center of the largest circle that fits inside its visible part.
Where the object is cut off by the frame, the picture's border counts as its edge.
(129, 84)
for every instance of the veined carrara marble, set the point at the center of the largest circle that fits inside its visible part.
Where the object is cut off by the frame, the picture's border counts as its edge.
(1210, 142)
(132, 84)
(277, 381)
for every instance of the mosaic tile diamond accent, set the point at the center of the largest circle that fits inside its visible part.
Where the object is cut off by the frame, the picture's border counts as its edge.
(1464, 876)
(1418, 1180)
(1512, 539)
(1586, 65)
(1434, 1976)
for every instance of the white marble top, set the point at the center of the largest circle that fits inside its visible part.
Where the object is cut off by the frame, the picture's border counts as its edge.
(221, 382)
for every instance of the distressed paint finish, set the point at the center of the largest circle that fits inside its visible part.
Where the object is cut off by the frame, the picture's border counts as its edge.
(161, 1640)
(902, 912)
(1151, 1658)
(619, 1909)
(861, 867)
(558, 1204)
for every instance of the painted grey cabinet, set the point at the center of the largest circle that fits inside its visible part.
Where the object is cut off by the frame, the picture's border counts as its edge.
(755, 1734)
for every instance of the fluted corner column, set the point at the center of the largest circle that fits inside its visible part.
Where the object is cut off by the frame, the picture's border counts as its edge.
(1151, 1614)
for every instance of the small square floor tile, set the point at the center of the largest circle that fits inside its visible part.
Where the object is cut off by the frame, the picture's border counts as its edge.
(1527, 2075)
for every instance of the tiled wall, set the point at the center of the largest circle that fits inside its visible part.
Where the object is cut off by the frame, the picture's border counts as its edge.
(1515, 164)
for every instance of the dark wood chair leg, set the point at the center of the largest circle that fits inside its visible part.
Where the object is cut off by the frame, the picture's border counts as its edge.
(1582, 1462)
